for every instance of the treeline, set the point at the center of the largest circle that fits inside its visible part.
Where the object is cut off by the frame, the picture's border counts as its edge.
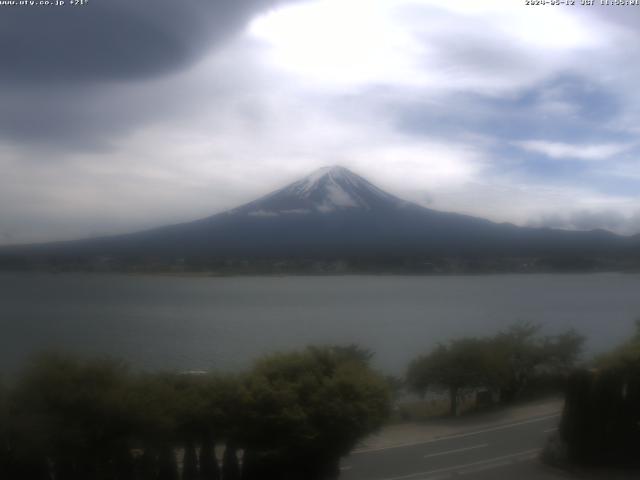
(292, 416)
(505, 366)
(320, 265)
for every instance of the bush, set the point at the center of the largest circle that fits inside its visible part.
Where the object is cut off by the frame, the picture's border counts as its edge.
(601, 419)
(293, 414)
(309, 408)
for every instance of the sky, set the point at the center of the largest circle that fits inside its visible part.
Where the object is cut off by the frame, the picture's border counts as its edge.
(121, 115)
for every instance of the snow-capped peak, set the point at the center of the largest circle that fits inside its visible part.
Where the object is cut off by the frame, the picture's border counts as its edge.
(312, 181)
(325, 190)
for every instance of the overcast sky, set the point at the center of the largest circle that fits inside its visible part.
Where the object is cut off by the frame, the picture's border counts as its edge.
(123, 115)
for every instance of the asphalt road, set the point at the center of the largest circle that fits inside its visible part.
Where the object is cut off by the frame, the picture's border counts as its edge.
(498, 452)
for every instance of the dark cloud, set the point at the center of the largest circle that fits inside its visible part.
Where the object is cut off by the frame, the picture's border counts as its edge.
(78, 77)
(69, 118)
(83, 117)
(113, 39)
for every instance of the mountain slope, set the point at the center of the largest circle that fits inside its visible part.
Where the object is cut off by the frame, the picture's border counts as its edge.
(334, 213)
(326, 190)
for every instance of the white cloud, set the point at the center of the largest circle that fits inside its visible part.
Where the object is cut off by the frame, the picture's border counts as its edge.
(345, 42)
(626, 223)
(504, 199)
(562, 150)
(491, 47)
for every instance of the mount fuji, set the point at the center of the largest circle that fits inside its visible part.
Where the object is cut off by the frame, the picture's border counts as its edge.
(330, 214)
(327, 190)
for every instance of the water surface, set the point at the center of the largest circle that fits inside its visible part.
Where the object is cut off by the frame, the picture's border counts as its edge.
(224, 323)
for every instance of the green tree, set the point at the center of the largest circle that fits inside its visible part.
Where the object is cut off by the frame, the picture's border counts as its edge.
(167, 465)
(190, 462)
(209, 469)
(22, 452)
(307, 409)
(505, 363)
(4, 431)
(170, 412)
(230, 465)
(293, 414)
(352, 352)
(625, 357)
(457, 367)
(601, 419)
(520, 353)
(78, 412)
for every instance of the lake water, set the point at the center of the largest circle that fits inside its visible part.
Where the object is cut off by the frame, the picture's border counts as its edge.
(224, 323)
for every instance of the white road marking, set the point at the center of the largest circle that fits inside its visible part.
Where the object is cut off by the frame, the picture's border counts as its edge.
(456, 435)
(527, 455)
(456, 450)
(473, 466)
(346, 467)
(549, 430)
(490, 466)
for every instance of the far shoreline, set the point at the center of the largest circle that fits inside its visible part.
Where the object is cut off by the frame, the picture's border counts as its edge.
(213, 274)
